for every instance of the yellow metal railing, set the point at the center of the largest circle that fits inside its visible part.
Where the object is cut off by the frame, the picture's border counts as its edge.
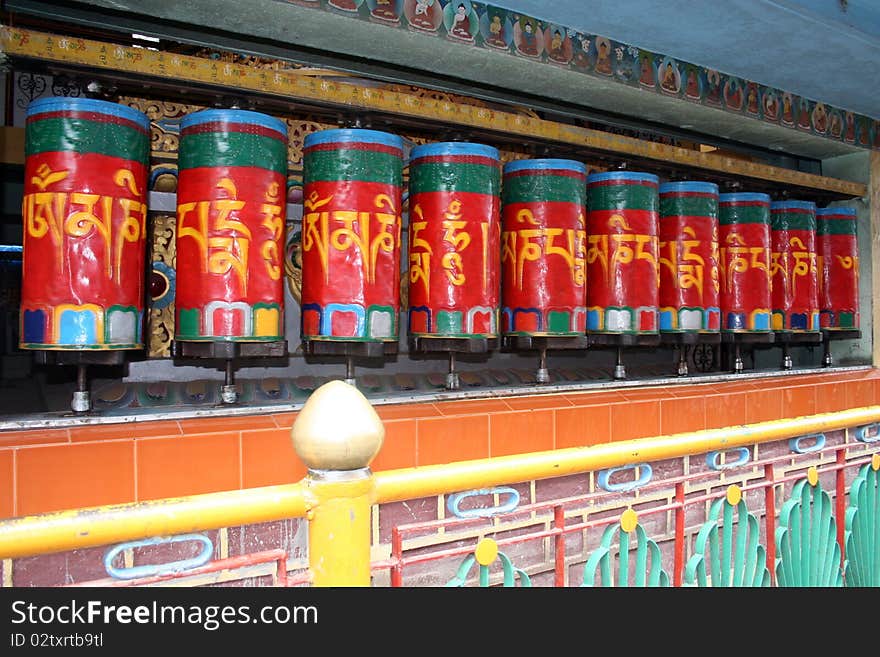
(412, 483)
(336, 495)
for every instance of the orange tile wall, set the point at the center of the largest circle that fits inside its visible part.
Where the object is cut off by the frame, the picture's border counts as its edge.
(47, 470)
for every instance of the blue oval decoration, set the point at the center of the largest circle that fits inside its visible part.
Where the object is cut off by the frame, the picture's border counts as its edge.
(646, 472)
(163, 568)
(713, 458)
(796, 444)
(870, 433)
(454, 501)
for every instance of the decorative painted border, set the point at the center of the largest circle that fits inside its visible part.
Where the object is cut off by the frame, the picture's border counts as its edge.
(485, 26)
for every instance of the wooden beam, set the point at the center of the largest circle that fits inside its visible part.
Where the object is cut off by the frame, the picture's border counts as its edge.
(338, 94)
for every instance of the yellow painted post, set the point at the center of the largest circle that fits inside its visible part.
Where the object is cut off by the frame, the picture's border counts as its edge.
(336, 434)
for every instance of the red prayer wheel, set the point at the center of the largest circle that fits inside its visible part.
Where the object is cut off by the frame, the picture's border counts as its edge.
(689, 294)
(793, 266)
(744, 262)
(231, 209)
(838, 263)
(84, 225)
(543, 248)
(622, 269)
(454, 240)
(351, 235)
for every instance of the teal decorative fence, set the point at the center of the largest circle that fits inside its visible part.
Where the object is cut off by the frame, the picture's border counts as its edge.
(727, 550)
(863, 529)
(798, 543)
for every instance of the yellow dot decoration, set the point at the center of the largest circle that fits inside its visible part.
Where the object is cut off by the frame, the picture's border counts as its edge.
(734, 494)
(875, 462)
(486, 551)
(629, 519)
(813, 475)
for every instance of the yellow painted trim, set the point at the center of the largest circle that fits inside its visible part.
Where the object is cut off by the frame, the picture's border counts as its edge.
(347, 96)
(223, 539)
(7, 573)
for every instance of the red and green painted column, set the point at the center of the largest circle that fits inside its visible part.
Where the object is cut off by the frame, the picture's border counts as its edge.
(351, 235)
(543, 248)
(838, 263)
(689, 294)
(622, 253)
(454, 240)
(794, 275)
(231, 212)
(84, 223)
(744, 263)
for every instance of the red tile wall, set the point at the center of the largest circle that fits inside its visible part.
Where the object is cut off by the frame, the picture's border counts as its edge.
(48, 470)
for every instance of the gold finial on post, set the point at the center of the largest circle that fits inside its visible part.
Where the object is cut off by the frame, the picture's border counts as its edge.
(337, 429)
(337, 434)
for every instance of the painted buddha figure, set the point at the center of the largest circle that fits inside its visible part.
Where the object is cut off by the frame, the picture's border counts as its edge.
(603, 57)
(461, 23)
(692, 86)
(669, 82)
(384, 10)
(528, 45)
(646, 77)
(496, 33)
(421, 15)
(787, 115)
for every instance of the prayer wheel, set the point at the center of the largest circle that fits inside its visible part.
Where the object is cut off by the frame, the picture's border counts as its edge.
(543, 248)
(793, 266)
(231, 210)
(622, 253)
(84, 223)
(744, 263)
(688, 231)
(454, 238)
(351, 236)
(838, 264)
